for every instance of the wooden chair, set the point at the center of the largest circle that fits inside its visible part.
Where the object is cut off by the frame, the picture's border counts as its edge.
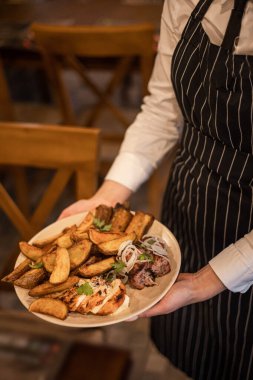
(69, 46)
(66, 46)
(69, 151)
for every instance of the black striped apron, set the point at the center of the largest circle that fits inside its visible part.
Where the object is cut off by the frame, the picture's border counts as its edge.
(208, 201)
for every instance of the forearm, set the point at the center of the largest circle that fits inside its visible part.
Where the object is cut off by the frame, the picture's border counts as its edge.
(206, 284)
(110, 193)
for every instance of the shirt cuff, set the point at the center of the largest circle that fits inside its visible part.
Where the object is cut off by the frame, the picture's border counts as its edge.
(234, 265)
(130, 170)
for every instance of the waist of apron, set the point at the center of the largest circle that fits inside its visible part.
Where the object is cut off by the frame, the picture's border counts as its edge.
(231, 164)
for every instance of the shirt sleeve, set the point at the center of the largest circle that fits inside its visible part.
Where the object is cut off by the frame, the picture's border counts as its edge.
(158, 126)
(234, 265)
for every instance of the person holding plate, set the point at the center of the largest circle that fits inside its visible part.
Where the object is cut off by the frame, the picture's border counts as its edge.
(201, 95)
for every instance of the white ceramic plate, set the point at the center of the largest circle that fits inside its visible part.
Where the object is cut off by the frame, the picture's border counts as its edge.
(140, 300)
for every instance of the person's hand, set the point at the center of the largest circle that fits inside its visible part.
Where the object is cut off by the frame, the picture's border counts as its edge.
(77, 207)
(188, 289)
(108, 194)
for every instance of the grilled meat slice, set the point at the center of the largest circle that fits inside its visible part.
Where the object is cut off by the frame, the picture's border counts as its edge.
(144, 274)
(160, 266)
(141, 276)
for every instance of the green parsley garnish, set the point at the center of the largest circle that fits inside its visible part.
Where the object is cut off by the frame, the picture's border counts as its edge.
(100, 224)
(36, 265)
(85, 289)
(118, 266)
(146, 256)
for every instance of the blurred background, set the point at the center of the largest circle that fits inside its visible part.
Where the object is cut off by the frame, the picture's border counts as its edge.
(30, 93)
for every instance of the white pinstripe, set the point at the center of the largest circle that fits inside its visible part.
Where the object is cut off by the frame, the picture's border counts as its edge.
(227, 345)
(220, 345)
(236, 337)
(226, 218)
(209, 97)
(239, 108)
(245, 334)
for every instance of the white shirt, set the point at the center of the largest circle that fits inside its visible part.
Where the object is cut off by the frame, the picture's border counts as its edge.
(157, 128)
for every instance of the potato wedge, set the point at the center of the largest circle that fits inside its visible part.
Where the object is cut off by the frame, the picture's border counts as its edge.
(49, 306)
(79, 253)
(64, 241)
(48, 261)
(104, 213)
(111, 247)
(18, 271)
(98, 237)
(140, 224)
(47, 288)
(86, 223)
(96, 268)
(31, 278)
(78, 236)
(121, 219)
(61, 268)
(30, 251)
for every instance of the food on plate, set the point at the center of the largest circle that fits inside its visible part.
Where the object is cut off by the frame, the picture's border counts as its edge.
(61, 269)
(47, 288)
(31, 278)
(79, 253)
(140, 224)
(48, 260)
(140, 262)
(111, 247)
(98, 237)
(120, 219)
(21, 269)
(66, 239)
(89, 267)
(30, 251)
(50, 306)
(95, 296)
(94, 269)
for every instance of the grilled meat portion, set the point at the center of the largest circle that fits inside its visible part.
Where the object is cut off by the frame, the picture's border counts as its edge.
(141, 276)
(144, 274)
(160, 266)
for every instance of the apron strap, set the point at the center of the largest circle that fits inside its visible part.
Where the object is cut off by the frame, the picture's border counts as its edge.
(201, 9)
(234, 24)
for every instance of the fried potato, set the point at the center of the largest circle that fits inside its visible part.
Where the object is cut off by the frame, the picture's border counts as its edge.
(79, 253)
(86, 223)
(66, 240)
(18, 271)
(121, 219)
(30, 251)
(98, 237)
(104, 213)
(48, 261)
(47, 288)
(31, 278)
(78, 236)
(49, 306)
(96, 268)
(62, 267)
(140, 224)
(111, 247)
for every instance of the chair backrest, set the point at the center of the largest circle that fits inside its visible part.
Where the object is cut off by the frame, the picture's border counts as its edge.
(65, 46)
(69, 150)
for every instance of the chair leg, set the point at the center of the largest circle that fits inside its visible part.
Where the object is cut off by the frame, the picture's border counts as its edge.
(21, 189)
